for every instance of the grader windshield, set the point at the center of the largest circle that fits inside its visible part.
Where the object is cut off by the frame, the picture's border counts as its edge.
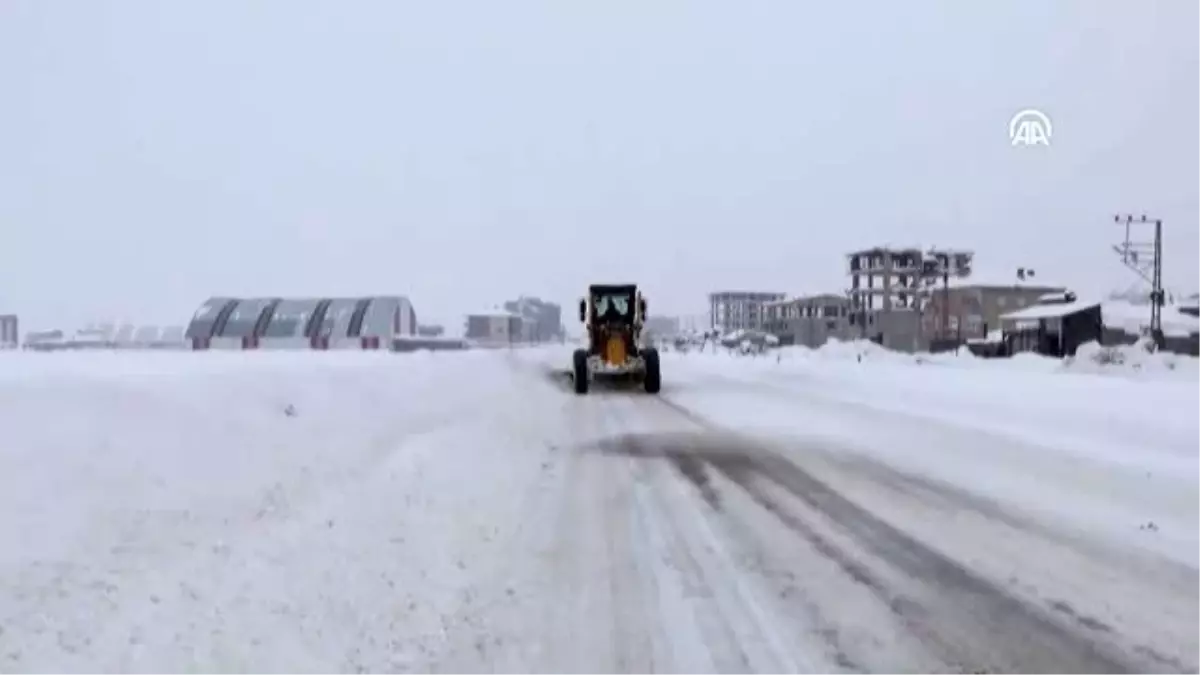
(613, 304)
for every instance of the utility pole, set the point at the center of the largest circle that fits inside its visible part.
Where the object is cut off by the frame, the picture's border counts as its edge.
(946, 297)
(1145, 259)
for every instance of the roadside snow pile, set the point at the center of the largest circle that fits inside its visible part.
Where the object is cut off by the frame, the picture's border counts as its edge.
(867, 351)
(246, 511)
(1094, 358)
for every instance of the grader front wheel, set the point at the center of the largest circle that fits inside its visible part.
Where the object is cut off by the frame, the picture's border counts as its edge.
(652, 379)
(580, 371)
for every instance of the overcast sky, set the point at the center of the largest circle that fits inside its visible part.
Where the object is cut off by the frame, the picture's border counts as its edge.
(155, 153)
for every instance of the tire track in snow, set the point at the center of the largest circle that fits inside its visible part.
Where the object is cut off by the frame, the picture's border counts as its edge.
(670, 599)
(607, 597)
(583, 600)
(919, 605)
(1147, 604)
(632, 587)
(723, 613)
(971, 622)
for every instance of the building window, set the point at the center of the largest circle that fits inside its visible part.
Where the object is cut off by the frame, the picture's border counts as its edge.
(974, 324)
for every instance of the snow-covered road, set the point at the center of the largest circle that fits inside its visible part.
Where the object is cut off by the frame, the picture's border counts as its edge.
(465, 512)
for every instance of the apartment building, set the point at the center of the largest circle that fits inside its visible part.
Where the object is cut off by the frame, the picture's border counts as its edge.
(739, 310)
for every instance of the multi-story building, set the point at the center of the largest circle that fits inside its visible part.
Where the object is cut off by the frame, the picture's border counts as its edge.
(545, 317)
(889, 289)
(810, 321)
(734, 310)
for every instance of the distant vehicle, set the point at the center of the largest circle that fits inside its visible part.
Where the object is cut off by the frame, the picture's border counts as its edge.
(614, 316)
(89, 339)
(45, 340)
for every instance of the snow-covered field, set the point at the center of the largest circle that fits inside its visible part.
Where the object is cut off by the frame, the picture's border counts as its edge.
(465, 512)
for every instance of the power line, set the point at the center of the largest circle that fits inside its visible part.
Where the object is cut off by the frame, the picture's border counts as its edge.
(1145, 259)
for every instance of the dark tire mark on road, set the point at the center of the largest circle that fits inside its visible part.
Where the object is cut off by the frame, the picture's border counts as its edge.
(1083, 619)
(693, 469)
(1174, 663)
(973, 624)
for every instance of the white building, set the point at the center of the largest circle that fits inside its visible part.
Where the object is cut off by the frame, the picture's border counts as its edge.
(303, 323)
(662, 326)
(497, 327)
(734, 310)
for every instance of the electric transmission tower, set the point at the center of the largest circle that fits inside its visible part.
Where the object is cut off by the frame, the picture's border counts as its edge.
(1145, 258)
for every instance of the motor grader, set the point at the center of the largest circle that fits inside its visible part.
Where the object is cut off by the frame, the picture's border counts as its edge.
(614, 315)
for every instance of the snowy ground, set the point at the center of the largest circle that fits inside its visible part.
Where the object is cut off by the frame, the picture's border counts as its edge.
(464, 512)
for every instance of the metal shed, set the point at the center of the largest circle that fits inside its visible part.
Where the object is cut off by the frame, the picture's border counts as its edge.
(1053, 329)
(302, 323)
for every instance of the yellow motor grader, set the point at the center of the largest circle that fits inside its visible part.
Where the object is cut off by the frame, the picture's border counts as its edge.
(614, 315)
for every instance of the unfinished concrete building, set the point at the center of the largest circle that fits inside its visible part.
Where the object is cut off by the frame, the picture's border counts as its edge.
(889, 288)
(810, 321)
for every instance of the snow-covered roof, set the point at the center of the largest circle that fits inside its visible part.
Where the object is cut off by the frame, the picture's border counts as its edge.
(1116, 314)
(894, 248)
(1058, 296)
(1010, 280)
(1050, 311)
(1133, 318)
(823, 297)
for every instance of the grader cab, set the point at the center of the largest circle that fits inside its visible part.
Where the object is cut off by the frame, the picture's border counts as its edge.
(614, 316)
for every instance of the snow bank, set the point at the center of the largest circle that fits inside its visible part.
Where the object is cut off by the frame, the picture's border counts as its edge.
(1135, 359)
(1127, 361)
(234, 511)
(865, 351)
